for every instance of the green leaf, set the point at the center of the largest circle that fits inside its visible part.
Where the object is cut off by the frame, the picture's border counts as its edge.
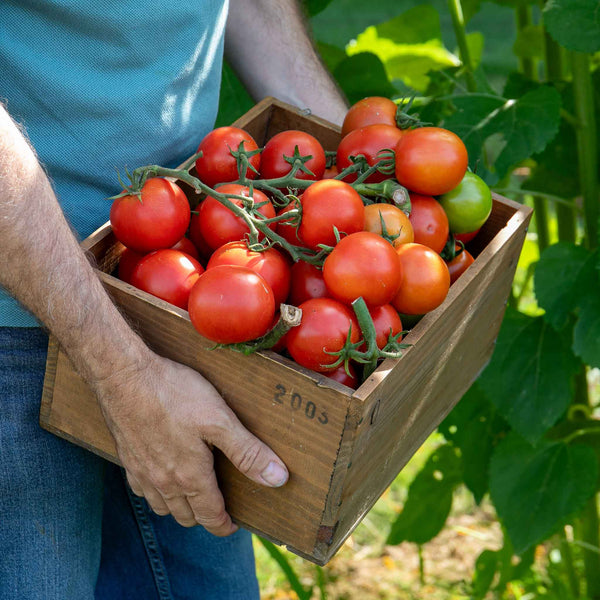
(486, 566)
(234, 100)
(586, 337)
(363, 75)
(473, 426)
(313, 7)
(564, 276)
(574, 24)
(529, 378)
(409, 46)
(535, 489)
(429, 499)
(530, 42)
(512, 130)
(332, 55)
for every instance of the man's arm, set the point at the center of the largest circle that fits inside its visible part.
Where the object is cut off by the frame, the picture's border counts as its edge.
(161, 414)
(268, 45)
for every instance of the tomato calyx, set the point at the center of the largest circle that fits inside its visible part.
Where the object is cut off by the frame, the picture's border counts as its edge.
(243, 156)
(405, 120)
(452, 249)
(372, 354)
(289, 316)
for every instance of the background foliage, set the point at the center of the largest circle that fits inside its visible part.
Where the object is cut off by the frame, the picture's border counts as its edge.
(518, 82)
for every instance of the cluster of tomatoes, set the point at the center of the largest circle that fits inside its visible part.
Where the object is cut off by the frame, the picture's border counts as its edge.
(278, 225)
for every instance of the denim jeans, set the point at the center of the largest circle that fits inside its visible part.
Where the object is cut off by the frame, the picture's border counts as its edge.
(70, 527)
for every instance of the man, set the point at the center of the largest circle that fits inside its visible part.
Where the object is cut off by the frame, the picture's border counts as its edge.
(98, 86)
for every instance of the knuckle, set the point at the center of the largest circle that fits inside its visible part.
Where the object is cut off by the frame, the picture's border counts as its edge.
(247, 457)
(218, 523)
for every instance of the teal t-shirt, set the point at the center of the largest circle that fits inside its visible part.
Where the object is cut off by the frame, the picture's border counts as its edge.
(104, 85)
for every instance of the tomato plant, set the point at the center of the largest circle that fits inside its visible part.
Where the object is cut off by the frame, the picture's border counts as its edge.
(368, 141)
(217, 225)
(231, 304)
(270, 263)
(281, 145)
(387, 322)
(430, 160)
(468, 205)
(324, 329)
(363, 264)
(329, 204)
(156, 218)
(425, 280)
(217, 164)
(369, 111)
(167, 274)
(397, 225)
(429, 221)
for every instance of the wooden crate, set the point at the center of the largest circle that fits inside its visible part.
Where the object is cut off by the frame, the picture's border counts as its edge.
(342, 447)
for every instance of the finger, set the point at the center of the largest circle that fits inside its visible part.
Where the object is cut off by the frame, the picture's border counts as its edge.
(154, 499)
(181, 510)
(209, 508)
(249, 455)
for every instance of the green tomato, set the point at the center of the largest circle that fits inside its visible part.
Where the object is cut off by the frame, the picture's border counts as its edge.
(468, 205)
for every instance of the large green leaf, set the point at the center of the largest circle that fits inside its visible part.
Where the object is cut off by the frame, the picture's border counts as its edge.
(529, 378)
(429, 499)
(473, 426)
(586, 337)
(409, 46)
(313, 7)
(575, 24)
(535, 489)
(512, 130)
(363, 75)
(564, 276)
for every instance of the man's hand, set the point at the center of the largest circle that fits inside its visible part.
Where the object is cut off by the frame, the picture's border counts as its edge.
(164, 418)
(163, 415)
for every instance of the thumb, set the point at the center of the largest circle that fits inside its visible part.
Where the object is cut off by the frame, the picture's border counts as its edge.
(252, 457)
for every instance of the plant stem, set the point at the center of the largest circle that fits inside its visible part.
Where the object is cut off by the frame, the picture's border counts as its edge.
(540, 211)
(567, 559)
(587, 144)
(458, 22)
(589, 523)
(523, 18)
(567, 229)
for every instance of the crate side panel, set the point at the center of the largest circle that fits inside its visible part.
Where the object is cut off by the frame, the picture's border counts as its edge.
(415, 393)
(301, 421)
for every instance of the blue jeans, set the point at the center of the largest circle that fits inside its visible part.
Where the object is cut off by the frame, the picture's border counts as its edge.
(70, 527)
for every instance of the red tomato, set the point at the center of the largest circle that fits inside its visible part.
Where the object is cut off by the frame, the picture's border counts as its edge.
(430, 160)
(158, 219)
(368, 141)
(186, 245)
(459, 264)
(270, 263)
(287, 230)
(231, 304)
(363, 264)
(397, 224)
(386, 320)
(167, 274)
(429, 222)
(274, 165)
(217, 165)
(425, 280)
(327, 204)
(369, 111)
(339, 374)
(217, 225)
(307, 282)
(331, 172)
(466, 237)
(324, 328)
(127, 263)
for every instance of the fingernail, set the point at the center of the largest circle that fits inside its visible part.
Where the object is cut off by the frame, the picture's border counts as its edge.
(274, 475)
